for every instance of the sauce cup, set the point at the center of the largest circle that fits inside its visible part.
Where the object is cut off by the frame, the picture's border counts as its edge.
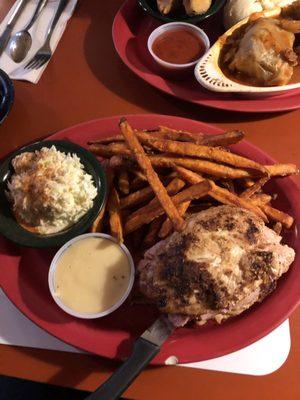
(172, 69)
(53, 269)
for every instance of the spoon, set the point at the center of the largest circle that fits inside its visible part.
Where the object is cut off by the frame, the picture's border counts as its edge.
(20, 43)
(5, 36)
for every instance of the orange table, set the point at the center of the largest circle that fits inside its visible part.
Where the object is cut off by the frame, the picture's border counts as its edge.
(86, 80)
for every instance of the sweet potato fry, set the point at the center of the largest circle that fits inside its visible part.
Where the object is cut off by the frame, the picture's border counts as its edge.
(220, 194)
(137, 197)
(98, 223)
(122, 163)
(189, 176)
(166, 227)
(154, 181)
(115, 221)
(152, 234)
(246, 183)
(254, 188)
(161, 132)
(224, 139)
(123, 182)
(282, 169)
(226, 197)
(110, 149)
(261, 199)
(120, 138)
(108, 139)
(182, 136)
(204, 166)
(164, 132)
(148, 213)
(138, 174)
(278, 216)
(172, 188)
(118, 162)
(147, 193)
(198, 151)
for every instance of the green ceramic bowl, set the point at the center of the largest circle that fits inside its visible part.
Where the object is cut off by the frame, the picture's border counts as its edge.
(10, 228)
(150, 7)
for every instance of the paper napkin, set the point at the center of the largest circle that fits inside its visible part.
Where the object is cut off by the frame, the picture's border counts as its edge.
(38, 33)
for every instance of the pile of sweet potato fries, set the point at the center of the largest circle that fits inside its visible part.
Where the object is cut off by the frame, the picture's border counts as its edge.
(158, 177)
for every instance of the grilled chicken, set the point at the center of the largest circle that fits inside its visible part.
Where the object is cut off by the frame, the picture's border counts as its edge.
(166, 6)
(196, 7)
(224, 261)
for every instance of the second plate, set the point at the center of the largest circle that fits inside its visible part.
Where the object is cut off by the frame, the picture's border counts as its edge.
(131, 30)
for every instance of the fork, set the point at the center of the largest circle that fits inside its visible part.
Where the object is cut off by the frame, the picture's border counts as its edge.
(44, 54)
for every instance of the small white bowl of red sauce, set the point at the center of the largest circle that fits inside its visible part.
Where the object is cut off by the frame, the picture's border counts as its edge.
(176, 47)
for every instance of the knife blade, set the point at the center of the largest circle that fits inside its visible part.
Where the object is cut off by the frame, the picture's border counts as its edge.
(5, 36)
(159, 332)
(145, 349)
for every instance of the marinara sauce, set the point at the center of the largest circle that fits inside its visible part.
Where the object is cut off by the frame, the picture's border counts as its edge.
(178, 46)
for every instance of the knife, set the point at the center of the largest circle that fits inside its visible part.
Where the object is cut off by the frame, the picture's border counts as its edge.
(145, 349)
(4, 38)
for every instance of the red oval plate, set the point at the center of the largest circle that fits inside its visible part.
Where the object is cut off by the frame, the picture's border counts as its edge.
(24, 278)
(131, 29)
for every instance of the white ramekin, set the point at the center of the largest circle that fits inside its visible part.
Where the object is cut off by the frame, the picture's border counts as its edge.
(51, 277)
(172, 26)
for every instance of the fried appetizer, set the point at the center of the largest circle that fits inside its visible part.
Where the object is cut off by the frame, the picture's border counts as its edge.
(196, 7)
(167, 6)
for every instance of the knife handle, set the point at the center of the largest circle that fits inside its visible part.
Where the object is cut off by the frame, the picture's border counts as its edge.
(112, 389)
(15, 15)
(39, 8)
(60, 9)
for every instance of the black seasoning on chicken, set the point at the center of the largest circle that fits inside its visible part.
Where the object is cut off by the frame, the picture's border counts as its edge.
(224, 261)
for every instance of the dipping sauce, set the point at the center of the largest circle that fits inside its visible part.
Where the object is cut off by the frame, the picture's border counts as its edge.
(92, 275)
(178, 46)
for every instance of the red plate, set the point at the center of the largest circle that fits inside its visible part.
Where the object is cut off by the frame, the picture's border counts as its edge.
(24, 278)
(131, 29)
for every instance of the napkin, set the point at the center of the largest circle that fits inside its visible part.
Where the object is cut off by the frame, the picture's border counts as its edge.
(38, 33)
